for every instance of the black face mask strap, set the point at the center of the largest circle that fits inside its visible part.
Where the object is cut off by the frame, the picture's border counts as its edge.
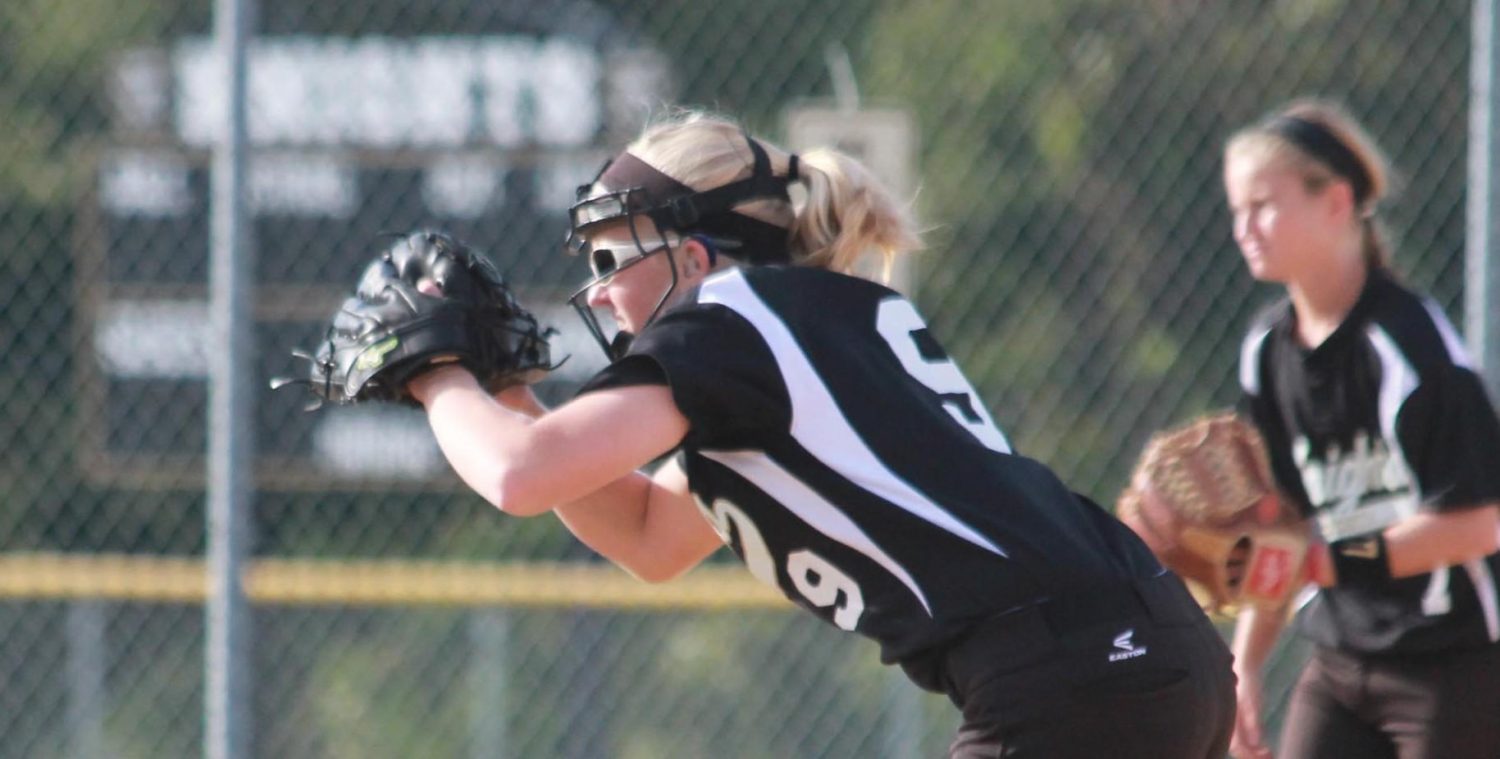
(585, 190)
(761, 162)
(685, 211)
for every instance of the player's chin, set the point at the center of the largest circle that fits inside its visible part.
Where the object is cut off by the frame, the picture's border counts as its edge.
(624, 323)
(1260, 270)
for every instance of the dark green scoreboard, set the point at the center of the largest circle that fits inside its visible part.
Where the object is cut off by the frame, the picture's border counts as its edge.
(318, 203)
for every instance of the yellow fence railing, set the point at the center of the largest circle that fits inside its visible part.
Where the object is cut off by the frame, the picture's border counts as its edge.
(386, 582)
(158, 579)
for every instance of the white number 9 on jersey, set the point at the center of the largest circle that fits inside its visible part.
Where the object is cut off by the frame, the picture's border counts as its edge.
(899, 323)
(824, 585)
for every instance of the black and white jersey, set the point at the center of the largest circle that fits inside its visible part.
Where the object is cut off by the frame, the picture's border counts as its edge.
(1385, 419)
(847, 461)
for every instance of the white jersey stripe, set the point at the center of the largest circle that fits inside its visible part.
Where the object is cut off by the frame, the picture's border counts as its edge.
(1457, 353)
(1489, 600)
(776, 482)
(1397, 382)
(1250, 361)
(826, 434)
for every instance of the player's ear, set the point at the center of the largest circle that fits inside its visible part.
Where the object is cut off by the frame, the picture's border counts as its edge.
(698, 257)
(1341, 199)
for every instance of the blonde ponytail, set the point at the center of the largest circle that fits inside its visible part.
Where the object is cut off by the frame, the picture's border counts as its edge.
(848, 213)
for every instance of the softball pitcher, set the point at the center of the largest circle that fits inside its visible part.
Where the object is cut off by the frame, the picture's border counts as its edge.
(1380, 432)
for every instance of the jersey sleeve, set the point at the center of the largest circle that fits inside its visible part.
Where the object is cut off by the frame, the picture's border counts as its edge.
(1449, 435)
(722, 375)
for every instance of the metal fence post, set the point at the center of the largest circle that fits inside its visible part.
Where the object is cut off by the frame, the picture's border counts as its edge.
(489, 637)
(227, 703)
(1482, 271)
(87, 664)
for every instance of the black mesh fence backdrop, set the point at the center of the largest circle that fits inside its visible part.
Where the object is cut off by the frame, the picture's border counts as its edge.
(1064, 156)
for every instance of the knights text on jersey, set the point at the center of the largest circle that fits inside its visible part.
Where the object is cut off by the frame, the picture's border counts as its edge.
(847, 461)
(1384, 419)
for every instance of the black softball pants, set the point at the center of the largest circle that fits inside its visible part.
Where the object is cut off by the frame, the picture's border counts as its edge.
(1433, 706)
(1133, 672)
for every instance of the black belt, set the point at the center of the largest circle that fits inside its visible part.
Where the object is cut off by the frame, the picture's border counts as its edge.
(1162, 599)
(1030, 633)
(1053, 622)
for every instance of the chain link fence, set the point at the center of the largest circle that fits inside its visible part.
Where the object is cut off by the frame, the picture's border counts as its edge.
(1065, 155)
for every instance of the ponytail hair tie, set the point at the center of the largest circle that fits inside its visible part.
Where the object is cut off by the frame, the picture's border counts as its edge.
(792, 162)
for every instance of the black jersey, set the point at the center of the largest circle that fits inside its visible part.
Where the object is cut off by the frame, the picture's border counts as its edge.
(1384, 419)
(847, 461)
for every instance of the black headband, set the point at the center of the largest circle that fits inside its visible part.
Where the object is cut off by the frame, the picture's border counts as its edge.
(1317, 141)
(675, 205)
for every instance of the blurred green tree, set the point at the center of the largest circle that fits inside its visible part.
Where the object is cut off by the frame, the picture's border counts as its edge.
(1070, 164)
